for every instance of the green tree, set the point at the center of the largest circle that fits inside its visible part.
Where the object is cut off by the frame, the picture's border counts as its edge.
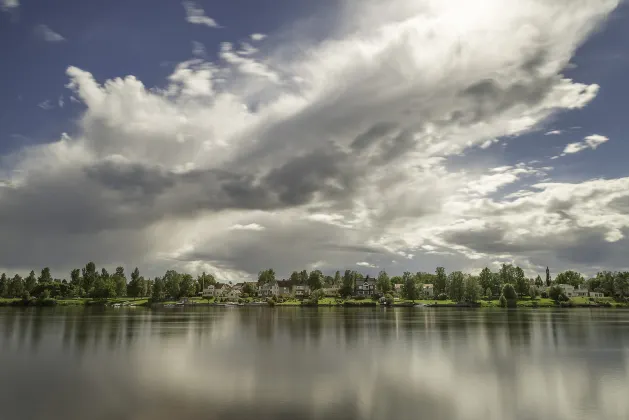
(337, 278)
(456, 286)
(509, 293)
(294, 278)
(507, 274)
(472, 289)
(75, 277)
(539, 283)
(4, 286)
(488, 293)
(503, 301)
(556, 293)
(347, 289)
(158, 292)
(440, 281)
(104, 288)
(485, 278)
(266, 276)
(533, 293)
(30, 282)
(606, 282)
(409, 287)
(172, 282)
(137, 285)
(521, 283)
(186, 286)
(205, 280)
(16, 287)
(104, 274)
(570, 277)
(120, 282)
(89, 277)
(383, 283)
(303, 277)
(548, 279)
(621, 284)
(315, 280)
(45, 276)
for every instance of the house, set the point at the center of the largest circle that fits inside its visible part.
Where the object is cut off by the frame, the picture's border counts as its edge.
(284, 287)
(233, 293)
(214, 290)
(366, 287)
(301, 290)
(331, 291)
(397, 288)
(269, 289)
(428, 289)
(571, 291)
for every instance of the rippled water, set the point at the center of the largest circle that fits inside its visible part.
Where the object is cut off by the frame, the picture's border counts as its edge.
(327, 363)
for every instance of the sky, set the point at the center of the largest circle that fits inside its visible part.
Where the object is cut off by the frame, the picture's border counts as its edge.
(231, 137)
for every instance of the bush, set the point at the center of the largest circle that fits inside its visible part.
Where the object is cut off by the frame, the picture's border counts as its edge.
(544, 294)
(359, 298)
(508, 291)
(442, 296)
(241, 300)
(388, 299)
(503, 301)
(270, 302)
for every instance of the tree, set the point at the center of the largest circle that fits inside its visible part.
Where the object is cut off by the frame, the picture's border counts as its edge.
(507, 274)
(303, 277)
(509, 293)
(4, 286)
(172, 281)
(137, 285)
(521, 283)
(89, 277)
(75, 277)
(621, 284)
(472, 289)
(485, 278)
(488, 293)
(294, 278)
(186, 286)
(539, 283)
(440, 281)
(206, 280)
(266, 276)
(409, 287)
(248, 289)
(45, 276)
(547, 277)
(30, 282)
(337, 278)
(456, 286)
(533, 293)
(120, 282)
(104, 288)
(16, 287)
(503, 301)
(347, 289)
(158, 292)
(606, 282)
(383, 283)
(315, 280)
(570, 277)
(104, 274)
(556, 293)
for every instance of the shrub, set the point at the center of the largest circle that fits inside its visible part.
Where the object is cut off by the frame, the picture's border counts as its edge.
(270, 302)
(442, 296)
(359, 298)
(508, 291)
(544, 294)
(503, 301)
(388, 298)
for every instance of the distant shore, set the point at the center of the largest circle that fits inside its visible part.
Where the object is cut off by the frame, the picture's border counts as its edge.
(325, 302)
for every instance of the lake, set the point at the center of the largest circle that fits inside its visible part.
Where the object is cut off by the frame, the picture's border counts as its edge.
(307, 363)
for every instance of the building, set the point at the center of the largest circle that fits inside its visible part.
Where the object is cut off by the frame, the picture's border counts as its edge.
(284, 287)
(366, 287)
(397, 288)
(428, 289)
(269, 289)
(331, 291)
(571, 291)
(233, 293)
(301, 290)
(214, 290)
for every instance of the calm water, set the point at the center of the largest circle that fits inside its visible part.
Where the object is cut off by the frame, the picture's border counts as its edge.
(293, 363)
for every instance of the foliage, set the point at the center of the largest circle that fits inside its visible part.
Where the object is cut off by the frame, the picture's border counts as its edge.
(472, 289)
(488, 293)
(315, 280)
(440, 280)
(533, 292)
(456, 286)
(266, 276)
(508, 291)
(521, 283)
(159, 290)
(570, 277)
(556, 293)
(442, 296)
(409, 287)
(548, 279)
(388, 299)
(347, 289)
(383, 283)
(503, 301)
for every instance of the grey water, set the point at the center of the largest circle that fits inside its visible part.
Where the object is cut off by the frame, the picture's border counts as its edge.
(327, 363)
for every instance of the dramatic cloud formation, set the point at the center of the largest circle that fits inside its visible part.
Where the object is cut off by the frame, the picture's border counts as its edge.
(47, 34)
(320, 154)
(196, 15)
(8, 5)
(590, 142)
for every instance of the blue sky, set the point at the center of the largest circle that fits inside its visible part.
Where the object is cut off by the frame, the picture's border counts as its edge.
(313, 94)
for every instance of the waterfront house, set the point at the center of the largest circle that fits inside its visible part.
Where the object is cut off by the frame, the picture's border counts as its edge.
(397, 288)
(331, 291)
(269, 289)
(428, 290)
(571, 291)
(284, 287)
(214, 290)
(366, 287)
(301, 290)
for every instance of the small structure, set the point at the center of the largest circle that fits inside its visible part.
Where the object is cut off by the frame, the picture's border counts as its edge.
(331, 291)
(428, 289)
(269, 289)
(284, 287)
(301, 290)
(214, 290)
(571, 291)
(366, 287)
(397, 288)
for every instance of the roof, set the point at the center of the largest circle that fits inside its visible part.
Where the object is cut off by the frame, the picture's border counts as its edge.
(284, 283)
(428, 286)
(219, 285)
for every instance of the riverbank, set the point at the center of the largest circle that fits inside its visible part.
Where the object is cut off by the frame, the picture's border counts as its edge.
(325, 302)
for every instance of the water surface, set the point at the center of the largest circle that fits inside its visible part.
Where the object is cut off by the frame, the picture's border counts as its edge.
(326, 363)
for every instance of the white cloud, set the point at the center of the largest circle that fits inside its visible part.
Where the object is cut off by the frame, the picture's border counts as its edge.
(314, 141)
(251, 226)
(589, 142)
(198, 49)
(196, 15)
(366, 264)
(46, 105)
(553, 133)
(257, 37)
(47, 34)
(60, 101)
(9, 5)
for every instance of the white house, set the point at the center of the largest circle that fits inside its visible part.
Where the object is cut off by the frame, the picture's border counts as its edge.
(300, 290)
(571, 291)
(331, 291)
(214, 290)
(269, 289)
(397, 288)
(428, 289)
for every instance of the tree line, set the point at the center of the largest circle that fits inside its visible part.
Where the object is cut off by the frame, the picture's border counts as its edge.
(458, 286)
